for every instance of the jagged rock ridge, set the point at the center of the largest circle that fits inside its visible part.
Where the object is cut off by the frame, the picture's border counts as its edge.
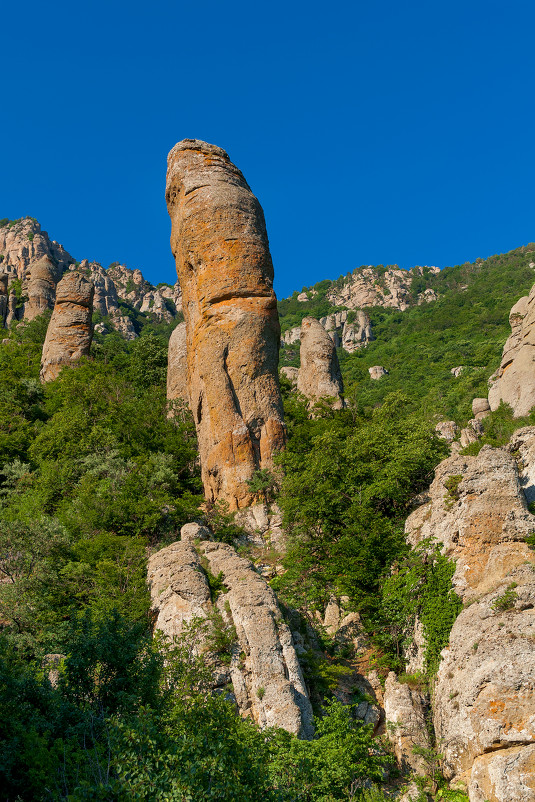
(28, 255)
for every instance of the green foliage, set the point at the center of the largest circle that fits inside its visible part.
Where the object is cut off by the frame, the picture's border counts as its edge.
(30, 236)
(420, 586)
(363, 470)
(506, 601)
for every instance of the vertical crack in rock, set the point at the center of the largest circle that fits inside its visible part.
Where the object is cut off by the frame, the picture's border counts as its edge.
(70, 331)
(221, 249)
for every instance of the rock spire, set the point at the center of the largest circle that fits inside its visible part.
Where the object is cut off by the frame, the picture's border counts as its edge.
(70, 330)
(223, 263)
(41, 287)
(319, 375)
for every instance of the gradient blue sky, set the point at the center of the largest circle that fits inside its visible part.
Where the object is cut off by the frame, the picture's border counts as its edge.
(377, 132)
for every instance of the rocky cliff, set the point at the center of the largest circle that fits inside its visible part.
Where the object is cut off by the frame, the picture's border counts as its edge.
(377, 286)
(28, 254)
(259, 661)
(484, 693)
(514, 381)
(224, 267)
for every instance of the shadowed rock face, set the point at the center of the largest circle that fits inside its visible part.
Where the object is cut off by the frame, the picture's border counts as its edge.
(3, 298)
(177, 380)
(70, 331)
(319, 375)
(220, 245)
(41, 287)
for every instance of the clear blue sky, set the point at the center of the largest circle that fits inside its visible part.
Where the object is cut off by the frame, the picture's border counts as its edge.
(372, 132)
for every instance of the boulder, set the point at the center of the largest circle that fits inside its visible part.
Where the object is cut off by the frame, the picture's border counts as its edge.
(220, 245)
(319, 375)
(480, 408)
(514, 381)
(377, 372)
(41, 287)
(177, 366)
(447, 430)
(456, 372)
(69, 333)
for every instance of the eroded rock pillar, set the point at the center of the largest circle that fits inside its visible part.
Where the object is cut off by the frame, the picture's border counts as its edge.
(224, 266)
(70, 330)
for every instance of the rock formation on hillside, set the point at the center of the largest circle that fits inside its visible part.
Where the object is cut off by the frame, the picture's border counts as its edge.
(69, 332)
(349, 336)
(41, 281)
(319, 375)
(177, 365)
(267, 681)
(224, 267)
(484, 694)
(23, 246)
(22, 243)
(377, 372)
(514, 381)
(371, 286)
(3, 298)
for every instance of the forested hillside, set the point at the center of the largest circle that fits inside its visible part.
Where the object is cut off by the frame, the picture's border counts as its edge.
(98, 471)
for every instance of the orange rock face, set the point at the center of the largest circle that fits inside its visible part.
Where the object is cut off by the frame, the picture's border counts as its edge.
(70, 330)
(221, 249)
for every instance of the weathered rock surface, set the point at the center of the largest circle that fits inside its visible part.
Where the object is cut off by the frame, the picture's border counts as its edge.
(456, 372)
(177, 366)
(224, 267)
(447, 430)
(69, 333)
(482, 519)
(371, 286)
(349, 336)
(291, 374)
(514, 381)
(405, 710)
(264, 670)
(377, 372)
(3, 298)
(472, 432)
(319, 375)
(291, 336)
(480, 408)
(484, 698)
(22, 243)
(41, 283)
(484, 693)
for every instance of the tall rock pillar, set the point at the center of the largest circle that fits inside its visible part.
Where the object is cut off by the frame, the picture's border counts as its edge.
(223, 263)
(70, 330)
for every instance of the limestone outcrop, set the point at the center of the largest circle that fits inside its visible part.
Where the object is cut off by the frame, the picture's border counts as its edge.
(69, 333)
(514, 381)
(447, 430)
(405, 711)
(319, 375)
(177, 366)
(224, 267)
(23, 243)
(372, 286)
(484, 692)
(264, 670)
(377, 372)
(41, 287)
(3, 298)
(349, 336)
